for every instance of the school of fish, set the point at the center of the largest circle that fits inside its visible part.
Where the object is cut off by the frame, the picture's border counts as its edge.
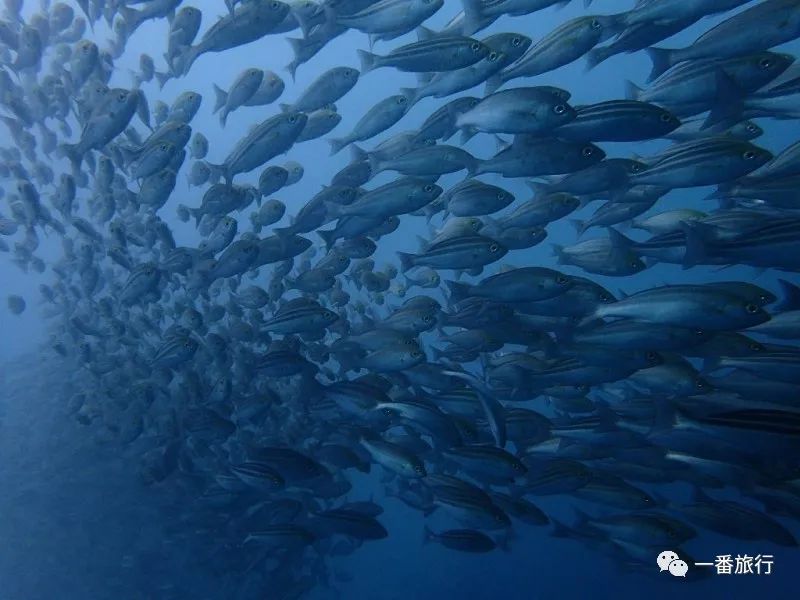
(260, 367)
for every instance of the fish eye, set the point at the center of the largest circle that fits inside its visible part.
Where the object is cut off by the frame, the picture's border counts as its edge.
(699, 332)
(494, 248)
(561, 280)
(163, 146)
(402, 100)
(428, 188)
(749, 155)
(559, 109)
(275, 5)
(752, 128)
(587, 151)
(292, 119)
(426, 319)
(751, 308)
(635, 168)
(493, 56)
(765, 63)
(475, 46)
(666, 117)
(516, 41)
(121, 96)
(755, 347)
(651, 356)
(595, 24)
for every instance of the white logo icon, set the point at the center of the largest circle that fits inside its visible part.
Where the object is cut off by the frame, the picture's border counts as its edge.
(666, 557)
(678, 568)
(670, 561)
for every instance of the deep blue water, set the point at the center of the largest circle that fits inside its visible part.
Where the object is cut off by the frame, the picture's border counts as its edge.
(75, 523)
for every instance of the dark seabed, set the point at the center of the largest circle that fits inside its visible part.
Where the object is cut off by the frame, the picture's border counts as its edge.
(344, 299)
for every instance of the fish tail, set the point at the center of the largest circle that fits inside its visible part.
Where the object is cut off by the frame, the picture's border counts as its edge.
(188, 56)
(337, 144)
(221, 98)
(458, 291)
(597, 56)
(162, 79)
(473, 16)
(406, 261)
(632, 91)
(696, 250)
(662, 58)
(467, 133)
(493, 83)
(579, 226)
(328, 238)
(558, 252)
(367, 61)
(71, 152)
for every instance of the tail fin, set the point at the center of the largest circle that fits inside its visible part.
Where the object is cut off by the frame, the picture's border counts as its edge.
(367, 61)
(406, 261)
(221, 98)
(558, 252)
(662, 58)
(357, 153)
(70, 151)
(494, 83)
(328, 237)
(696, 251)
(580, 226)
(597, 56)
(632, 91)
(162, 79)
(458, 291)
(337, 144)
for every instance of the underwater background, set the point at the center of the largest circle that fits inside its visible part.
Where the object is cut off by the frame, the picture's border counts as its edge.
(78, 522)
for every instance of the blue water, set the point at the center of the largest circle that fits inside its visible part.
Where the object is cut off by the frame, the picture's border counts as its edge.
(72, 511)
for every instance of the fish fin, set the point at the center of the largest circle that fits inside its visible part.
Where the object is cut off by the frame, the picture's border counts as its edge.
(663, 60)
(558, 252)
(501, 144)
(619, 240)
(327, 237)
(70, 151)
(728, 105)
(538, 188)
(467, 133)
(472, 16)
(597, 56)
(579, 225)
(632, 91)
(493, 83)
(406, 261)
(367, 61)
(162, 79)
(696, 241)
(221, 98)
(458, 291)
(425, 33)
(357, 153)
(337, 144)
